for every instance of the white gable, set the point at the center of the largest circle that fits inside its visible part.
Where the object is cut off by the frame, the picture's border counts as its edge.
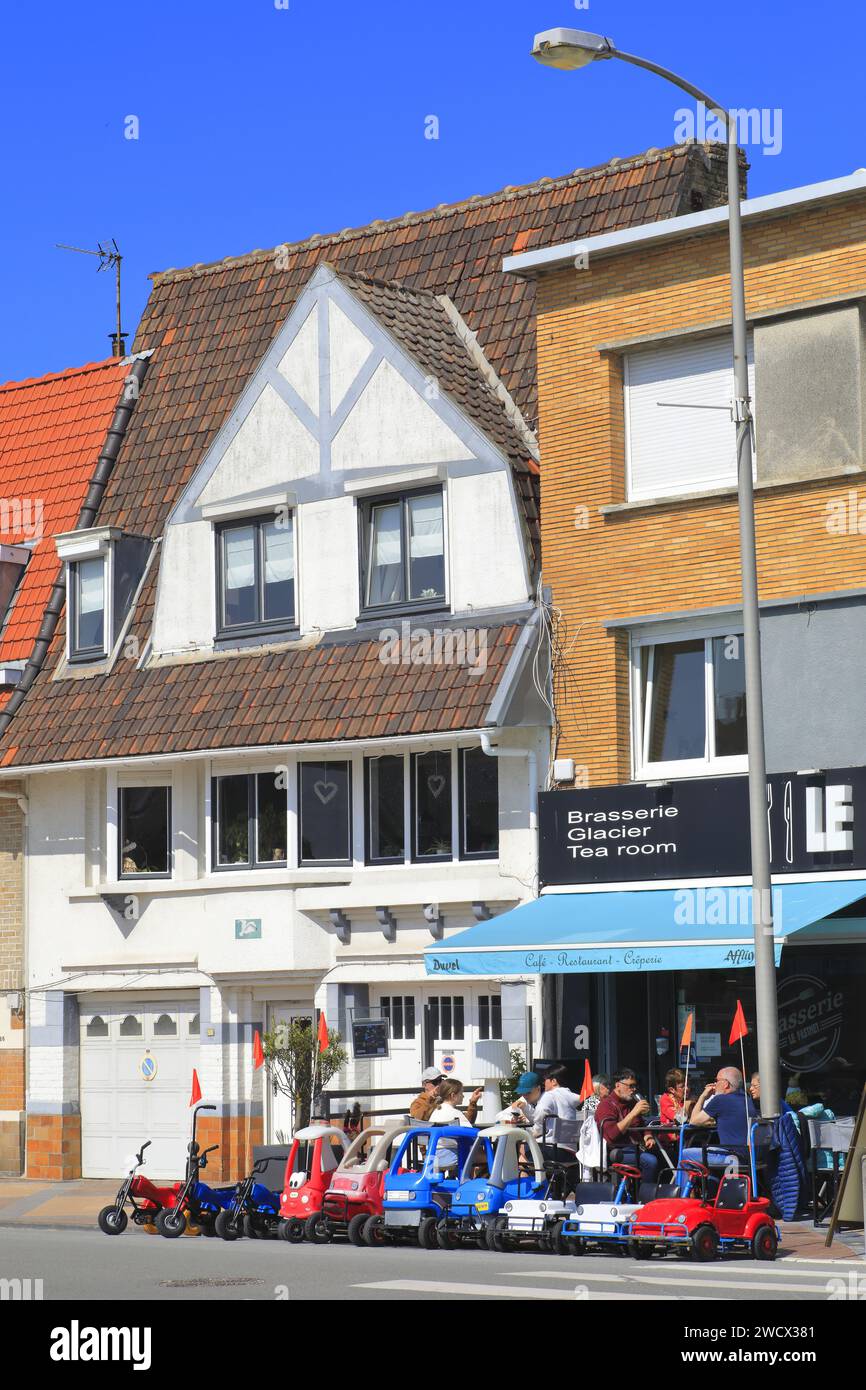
(391, 424)
(270, 448)
(349, 348)
(300, 365)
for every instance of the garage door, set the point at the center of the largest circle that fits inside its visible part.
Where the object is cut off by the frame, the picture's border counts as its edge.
(137, 1059)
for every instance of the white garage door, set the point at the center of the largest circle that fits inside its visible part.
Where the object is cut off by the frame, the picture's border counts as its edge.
(137, 1059)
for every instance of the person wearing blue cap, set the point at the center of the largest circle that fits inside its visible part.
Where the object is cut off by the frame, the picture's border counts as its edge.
(527, 1095)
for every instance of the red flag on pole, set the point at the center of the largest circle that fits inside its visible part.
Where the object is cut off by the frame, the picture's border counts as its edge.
(323, 1034)
(685, 1040)
(586, 1088)
(739, 1027)
(196, 1089)
(258, 1051)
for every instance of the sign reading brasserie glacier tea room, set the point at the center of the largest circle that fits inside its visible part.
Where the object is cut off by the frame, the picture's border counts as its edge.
(699, 828)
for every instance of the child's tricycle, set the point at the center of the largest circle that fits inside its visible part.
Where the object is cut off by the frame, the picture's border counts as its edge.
(702, 1229)
(151, 1199)
(316, 1150)
(358, 1185)
(254, 1210)
(504, 1165)
(420, 1183)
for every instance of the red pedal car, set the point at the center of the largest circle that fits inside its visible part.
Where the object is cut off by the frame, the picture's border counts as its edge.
(358, 1185)
(702, 1228)
(316, 1150)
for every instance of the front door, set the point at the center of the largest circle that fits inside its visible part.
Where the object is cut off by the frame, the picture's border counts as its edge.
(279, 1108)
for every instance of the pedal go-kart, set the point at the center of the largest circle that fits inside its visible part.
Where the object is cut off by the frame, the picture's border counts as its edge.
(195, 1205)
(146, 1199)
(254, 1210)
(358, 1185)
(504, 1165)
(603, 1212)
(420, 1184)
(702, 1229)
(310, 1167)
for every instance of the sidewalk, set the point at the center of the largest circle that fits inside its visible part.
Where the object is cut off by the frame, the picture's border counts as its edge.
(74, 1206)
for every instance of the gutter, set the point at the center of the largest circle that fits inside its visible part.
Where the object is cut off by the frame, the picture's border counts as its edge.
(790, 201)
(104, 468)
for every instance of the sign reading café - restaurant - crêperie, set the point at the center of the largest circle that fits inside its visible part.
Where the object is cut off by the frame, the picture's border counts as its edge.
(700, 828)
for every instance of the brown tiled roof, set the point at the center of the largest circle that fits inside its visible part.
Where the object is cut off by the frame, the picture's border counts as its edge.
(337, 689)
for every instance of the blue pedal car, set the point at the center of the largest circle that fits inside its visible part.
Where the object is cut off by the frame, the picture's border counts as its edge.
(505, 1164)
(420, 1184)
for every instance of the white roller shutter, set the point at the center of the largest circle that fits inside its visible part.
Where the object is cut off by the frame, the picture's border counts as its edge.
(670, 449)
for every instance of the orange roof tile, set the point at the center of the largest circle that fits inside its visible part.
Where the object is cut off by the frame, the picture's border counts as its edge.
(52, 429)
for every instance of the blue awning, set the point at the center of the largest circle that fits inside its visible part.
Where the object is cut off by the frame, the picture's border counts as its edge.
(706, 928)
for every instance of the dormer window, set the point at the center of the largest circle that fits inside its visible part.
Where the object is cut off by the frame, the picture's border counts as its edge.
(256, 576)
(87, 608)
(403, 548)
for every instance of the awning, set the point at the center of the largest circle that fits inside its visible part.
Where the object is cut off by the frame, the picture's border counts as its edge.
(707, 928)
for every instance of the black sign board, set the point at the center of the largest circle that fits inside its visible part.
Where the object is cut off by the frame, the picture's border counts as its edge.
(370, 1037)
(700, 828)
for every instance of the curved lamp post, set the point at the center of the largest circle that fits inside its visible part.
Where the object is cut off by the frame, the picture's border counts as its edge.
(569, 49)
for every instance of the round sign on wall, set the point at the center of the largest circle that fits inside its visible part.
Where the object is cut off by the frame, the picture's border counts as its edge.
(448, 1063)
(810, 1022)
(148, 1067)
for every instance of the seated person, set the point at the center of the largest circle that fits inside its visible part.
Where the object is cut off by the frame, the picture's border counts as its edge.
(674, 1106)
(527, 1093)
(615, 1116)
(723, 1106)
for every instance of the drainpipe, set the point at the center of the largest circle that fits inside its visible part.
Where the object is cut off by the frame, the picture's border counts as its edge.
(104, 467)
(496, 751)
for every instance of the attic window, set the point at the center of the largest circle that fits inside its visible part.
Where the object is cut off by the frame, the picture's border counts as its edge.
(404, 551)
(87, 609)
(256, 569)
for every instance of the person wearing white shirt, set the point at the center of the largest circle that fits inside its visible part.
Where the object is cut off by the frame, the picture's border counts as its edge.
(557, 1103)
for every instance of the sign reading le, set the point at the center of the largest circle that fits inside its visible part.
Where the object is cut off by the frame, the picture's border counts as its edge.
(700, 828)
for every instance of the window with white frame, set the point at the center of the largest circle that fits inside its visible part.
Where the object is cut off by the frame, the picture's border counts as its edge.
(678, 430)
(690, 705)
(144, 842)
(88, 609)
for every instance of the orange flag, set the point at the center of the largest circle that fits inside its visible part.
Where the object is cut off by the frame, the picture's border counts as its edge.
(586, 1088)
(739, 1027)
(258, 1051)
(196, 1089)
(323, 1034)
(685, 1040)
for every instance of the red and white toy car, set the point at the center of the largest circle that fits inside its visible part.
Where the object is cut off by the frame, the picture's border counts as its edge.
(703, 1228)
(316, 1150)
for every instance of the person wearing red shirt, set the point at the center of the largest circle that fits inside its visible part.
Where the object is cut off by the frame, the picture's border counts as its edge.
(615, 1116)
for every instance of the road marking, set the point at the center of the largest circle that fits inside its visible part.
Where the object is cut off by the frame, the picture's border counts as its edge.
(506, 1291)
(673, 1281)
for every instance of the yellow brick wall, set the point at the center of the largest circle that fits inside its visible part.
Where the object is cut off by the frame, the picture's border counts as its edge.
(683, 555)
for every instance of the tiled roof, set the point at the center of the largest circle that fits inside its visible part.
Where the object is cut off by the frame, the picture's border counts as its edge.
(337, 689)
(52, 429)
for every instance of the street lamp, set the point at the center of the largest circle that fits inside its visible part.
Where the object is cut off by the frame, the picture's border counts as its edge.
(568, 49)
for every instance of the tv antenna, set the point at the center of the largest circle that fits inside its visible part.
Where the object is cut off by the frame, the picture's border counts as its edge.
(109, 255)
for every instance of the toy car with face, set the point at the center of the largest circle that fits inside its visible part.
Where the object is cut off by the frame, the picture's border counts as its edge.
(316, 1150)
(504, 1165)
(420, 1184)
(703, 1227)
(358, 1185)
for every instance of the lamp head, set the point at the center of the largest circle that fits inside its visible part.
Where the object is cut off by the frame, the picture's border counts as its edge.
(570, 48)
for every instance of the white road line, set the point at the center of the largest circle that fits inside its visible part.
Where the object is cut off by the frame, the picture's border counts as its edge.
(509, 1291)
(673, 1281)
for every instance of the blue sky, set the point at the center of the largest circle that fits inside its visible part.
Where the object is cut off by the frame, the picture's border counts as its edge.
(260, 124)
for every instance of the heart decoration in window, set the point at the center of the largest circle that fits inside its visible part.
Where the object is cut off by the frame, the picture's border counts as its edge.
(325, 791)
(436, 783)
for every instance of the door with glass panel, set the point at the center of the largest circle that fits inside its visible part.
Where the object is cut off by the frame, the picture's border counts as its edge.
(280, 1108)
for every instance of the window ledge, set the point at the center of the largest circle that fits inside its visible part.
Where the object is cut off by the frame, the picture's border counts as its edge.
(707, 494)
(249, 878)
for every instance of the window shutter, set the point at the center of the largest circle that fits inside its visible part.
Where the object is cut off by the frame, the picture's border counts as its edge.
(673, 449)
